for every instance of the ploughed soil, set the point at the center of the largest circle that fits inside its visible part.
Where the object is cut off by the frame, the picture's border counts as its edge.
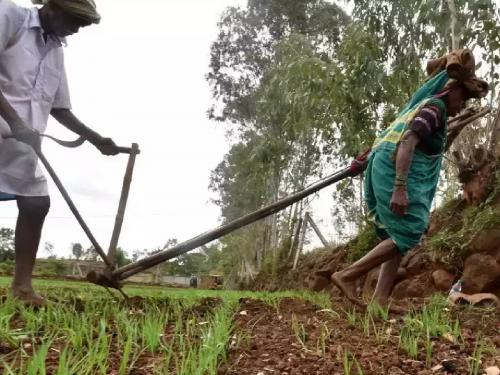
(294, 336)
(297, 337)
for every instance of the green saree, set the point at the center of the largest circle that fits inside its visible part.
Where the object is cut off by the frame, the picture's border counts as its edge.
(406, 231)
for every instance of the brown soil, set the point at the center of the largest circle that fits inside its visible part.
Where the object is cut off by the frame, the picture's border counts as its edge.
(264, 340)
(265, 343)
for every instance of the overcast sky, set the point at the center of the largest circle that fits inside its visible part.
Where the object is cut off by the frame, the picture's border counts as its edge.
(139, 76)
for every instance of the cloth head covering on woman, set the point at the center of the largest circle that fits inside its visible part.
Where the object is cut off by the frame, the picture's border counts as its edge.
(85, 9)
(406, 231)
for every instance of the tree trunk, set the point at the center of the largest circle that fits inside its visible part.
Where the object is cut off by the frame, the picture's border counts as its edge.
(494, 145)
(295, 239)
(453, 24)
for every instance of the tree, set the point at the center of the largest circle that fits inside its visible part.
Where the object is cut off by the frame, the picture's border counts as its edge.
(122, 257)
(77, 250)
(138, 254)
(275, 152)
(6, 244)
(49, 249)
(244, 48)
(90, 254)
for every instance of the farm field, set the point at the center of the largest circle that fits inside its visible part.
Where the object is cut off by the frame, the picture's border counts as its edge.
(198, 332)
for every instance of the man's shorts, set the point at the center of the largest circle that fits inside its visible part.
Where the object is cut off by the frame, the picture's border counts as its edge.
(7, 197)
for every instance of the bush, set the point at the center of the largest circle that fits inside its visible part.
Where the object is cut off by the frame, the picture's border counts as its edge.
(7, 267)
(53, 267)
(363, 243)
(453, 245)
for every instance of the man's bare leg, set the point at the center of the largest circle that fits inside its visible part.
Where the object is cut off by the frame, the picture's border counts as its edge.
(345, 280)
(32, 213)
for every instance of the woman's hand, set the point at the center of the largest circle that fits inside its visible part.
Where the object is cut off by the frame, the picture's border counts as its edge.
(399, 200)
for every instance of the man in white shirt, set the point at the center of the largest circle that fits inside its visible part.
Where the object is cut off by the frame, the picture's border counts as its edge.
(33, 85)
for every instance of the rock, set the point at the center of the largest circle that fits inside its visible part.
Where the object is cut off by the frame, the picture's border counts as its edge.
(443, 280)
(437, 368)
(449, 337)
(476, 174)
(395, 371)
(493, 371)
(416, 286)
(487, 241)
(479, 271)
(320, 283)
(450, 365)
(415, 263)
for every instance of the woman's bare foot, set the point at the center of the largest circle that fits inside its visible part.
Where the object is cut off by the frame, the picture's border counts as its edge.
(28, 296)
(395, 309)
(348, 288)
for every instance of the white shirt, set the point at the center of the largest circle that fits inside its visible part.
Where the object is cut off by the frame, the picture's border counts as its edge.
(33, 80)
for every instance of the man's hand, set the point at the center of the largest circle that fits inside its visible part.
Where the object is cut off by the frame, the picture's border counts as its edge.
(27, 135)
(70, 121)
(106, 145)
(399, 200)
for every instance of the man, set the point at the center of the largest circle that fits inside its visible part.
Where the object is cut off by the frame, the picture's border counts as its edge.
(403, 170)
(33, 84)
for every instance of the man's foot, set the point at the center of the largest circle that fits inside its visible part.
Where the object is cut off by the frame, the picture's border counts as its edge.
(348, 288)
(28, 297)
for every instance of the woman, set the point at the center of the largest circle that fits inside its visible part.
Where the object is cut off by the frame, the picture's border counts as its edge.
(403, 171)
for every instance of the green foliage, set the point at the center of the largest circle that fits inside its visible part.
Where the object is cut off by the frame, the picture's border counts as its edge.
(122, 257)
(452, 244)
(6, 244)
(7, 267)
(432, 321)
(363, 243)
(53, 267)
(244, 48)
(90, 254)
(207, 260)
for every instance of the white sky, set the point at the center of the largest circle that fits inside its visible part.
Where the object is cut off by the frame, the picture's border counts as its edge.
(139, 76)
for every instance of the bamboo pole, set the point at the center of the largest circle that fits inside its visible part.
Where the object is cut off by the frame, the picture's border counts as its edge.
(301, 240)
(295, 238)
(317, 231)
